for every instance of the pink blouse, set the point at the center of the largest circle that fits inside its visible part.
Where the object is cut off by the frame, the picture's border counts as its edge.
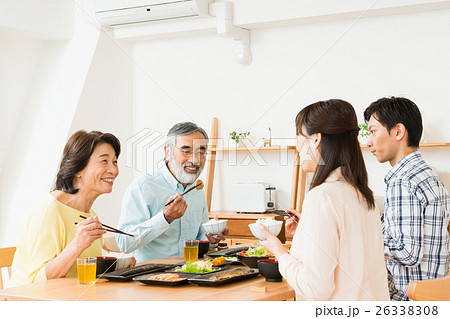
(337, 249)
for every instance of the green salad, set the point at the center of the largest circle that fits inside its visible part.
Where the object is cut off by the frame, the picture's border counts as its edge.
(257, 251)
(200, 266)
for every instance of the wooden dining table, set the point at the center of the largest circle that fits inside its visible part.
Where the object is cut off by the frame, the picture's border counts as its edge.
(68, 289)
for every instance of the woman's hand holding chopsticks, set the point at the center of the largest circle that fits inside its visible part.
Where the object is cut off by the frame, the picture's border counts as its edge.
(109, 228)
(292, 220)
(88, 231)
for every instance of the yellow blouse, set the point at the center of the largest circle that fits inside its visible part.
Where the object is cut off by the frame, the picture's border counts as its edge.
(48, 228)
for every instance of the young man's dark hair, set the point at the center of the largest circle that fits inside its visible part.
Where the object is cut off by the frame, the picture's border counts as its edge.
(390, 111)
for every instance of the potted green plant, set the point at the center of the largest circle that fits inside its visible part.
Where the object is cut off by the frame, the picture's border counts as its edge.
(363, 133)
(235, 136)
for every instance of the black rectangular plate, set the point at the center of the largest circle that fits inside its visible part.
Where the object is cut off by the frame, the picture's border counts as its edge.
(144, 279)
(118, 276)
(205, 281)
(230, 252)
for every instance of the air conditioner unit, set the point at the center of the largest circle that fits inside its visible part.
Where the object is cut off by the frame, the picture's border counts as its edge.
(120, 12)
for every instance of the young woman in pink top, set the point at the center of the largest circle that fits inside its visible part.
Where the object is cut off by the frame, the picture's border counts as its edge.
(337, 248)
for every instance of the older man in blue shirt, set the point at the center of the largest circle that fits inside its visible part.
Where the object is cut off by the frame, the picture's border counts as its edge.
(159, 231)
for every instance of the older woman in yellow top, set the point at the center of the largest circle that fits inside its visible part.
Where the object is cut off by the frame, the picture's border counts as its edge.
(49, 242)
(337, 249)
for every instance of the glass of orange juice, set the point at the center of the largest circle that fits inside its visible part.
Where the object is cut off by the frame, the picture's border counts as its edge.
(86, 269)
(190, 249)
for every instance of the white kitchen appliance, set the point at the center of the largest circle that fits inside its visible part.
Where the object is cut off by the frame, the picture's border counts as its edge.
(253, 198)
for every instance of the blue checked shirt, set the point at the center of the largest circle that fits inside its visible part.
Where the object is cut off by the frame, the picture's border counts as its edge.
(415, 221)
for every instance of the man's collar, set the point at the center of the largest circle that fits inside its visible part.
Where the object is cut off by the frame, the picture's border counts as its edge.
(401, 164)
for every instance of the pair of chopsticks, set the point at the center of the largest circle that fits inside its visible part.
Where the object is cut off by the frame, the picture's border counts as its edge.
(198, 185)
(282, 213)
(110, 229)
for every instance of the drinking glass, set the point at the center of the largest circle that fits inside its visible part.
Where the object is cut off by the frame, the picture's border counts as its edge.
(190, 249)
(86, 269)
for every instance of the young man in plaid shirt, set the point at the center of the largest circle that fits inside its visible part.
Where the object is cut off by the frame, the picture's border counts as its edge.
(417, 204)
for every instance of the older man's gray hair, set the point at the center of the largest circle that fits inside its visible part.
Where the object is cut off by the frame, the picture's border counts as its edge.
(184, 128)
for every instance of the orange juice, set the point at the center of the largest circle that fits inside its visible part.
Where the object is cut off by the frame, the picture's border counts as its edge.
(190, 252)
(86, 269)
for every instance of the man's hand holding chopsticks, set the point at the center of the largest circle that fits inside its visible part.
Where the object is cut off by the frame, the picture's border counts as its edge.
(176, 209)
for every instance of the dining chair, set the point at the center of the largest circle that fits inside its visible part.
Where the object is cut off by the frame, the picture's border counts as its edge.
(6, 260)
(110, 244)
(430, 290)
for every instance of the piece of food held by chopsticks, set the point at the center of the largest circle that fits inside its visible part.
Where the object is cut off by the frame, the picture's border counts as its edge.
(198, 185)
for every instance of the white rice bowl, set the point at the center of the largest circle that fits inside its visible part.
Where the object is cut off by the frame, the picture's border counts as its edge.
(215, 226)
(273, 226)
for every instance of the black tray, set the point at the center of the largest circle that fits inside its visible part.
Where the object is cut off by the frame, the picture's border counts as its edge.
(129, 273)
(144, 279)
(230, 252)
(206, 281)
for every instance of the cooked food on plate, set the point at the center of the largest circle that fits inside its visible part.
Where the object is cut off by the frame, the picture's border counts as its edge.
(199, 266)
(166, 277)
(229, 274)
(258, 251)
(219, 261)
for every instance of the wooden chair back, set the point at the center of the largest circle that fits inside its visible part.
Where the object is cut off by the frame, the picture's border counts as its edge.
(6, 260)
(430, 290)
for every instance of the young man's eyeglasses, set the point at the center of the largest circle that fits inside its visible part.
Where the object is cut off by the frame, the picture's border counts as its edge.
(187, 152)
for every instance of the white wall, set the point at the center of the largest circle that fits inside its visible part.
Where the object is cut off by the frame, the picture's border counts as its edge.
(19, 57)
(401, 55)
(51, 90)
(106, 105)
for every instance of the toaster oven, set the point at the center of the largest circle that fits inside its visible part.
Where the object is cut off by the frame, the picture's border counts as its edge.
(256, 198)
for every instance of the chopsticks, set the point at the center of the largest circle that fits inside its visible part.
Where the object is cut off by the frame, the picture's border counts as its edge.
(198, 185)
(282, 213)
(111, 229)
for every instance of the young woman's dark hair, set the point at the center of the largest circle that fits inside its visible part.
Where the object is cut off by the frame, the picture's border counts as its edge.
(77, 152)
(337, 122)
(390, 111)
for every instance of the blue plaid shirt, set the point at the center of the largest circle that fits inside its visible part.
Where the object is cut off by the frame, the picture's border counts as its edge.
(415, 221)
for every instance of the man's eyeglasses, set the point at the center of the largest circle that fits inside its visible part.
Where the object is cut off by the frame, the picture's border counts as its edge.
(187, 152)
